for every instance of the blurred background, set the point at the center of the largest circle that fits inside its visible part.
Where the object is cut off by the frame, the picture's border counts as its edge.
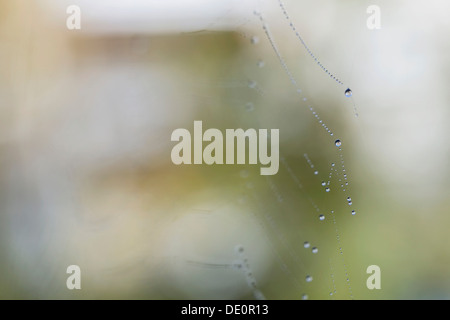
(86, 176)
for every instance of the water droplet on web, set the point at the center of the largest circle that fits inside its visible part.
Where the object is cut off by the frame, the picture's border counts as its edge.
(349, 200)
(237, 265)
(311, 165)
(353, 212)
(287, 70)
(252, 283)
(334, 173)
(348, 93)
(291, 24)
(341, 252)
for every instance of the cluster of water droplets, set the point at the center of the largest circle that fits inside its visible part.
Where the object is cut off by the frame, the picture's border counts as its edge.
(335, 174)
(291, 24)
(289, 73)
(242, 264)
(307, 245)
(310, 163)
(348, 92)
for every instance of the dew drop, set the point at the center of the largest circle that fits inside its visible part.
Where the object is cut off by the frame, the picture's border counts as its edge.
(237, 265)
(324, 183)
(353, 212)
(327, 189)
(316, 172)
(321, 217)
(308, 278)
(306, 244)
(349, 200)
(304, 296)
(348, 93)
(338, 143)
(314, 250)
